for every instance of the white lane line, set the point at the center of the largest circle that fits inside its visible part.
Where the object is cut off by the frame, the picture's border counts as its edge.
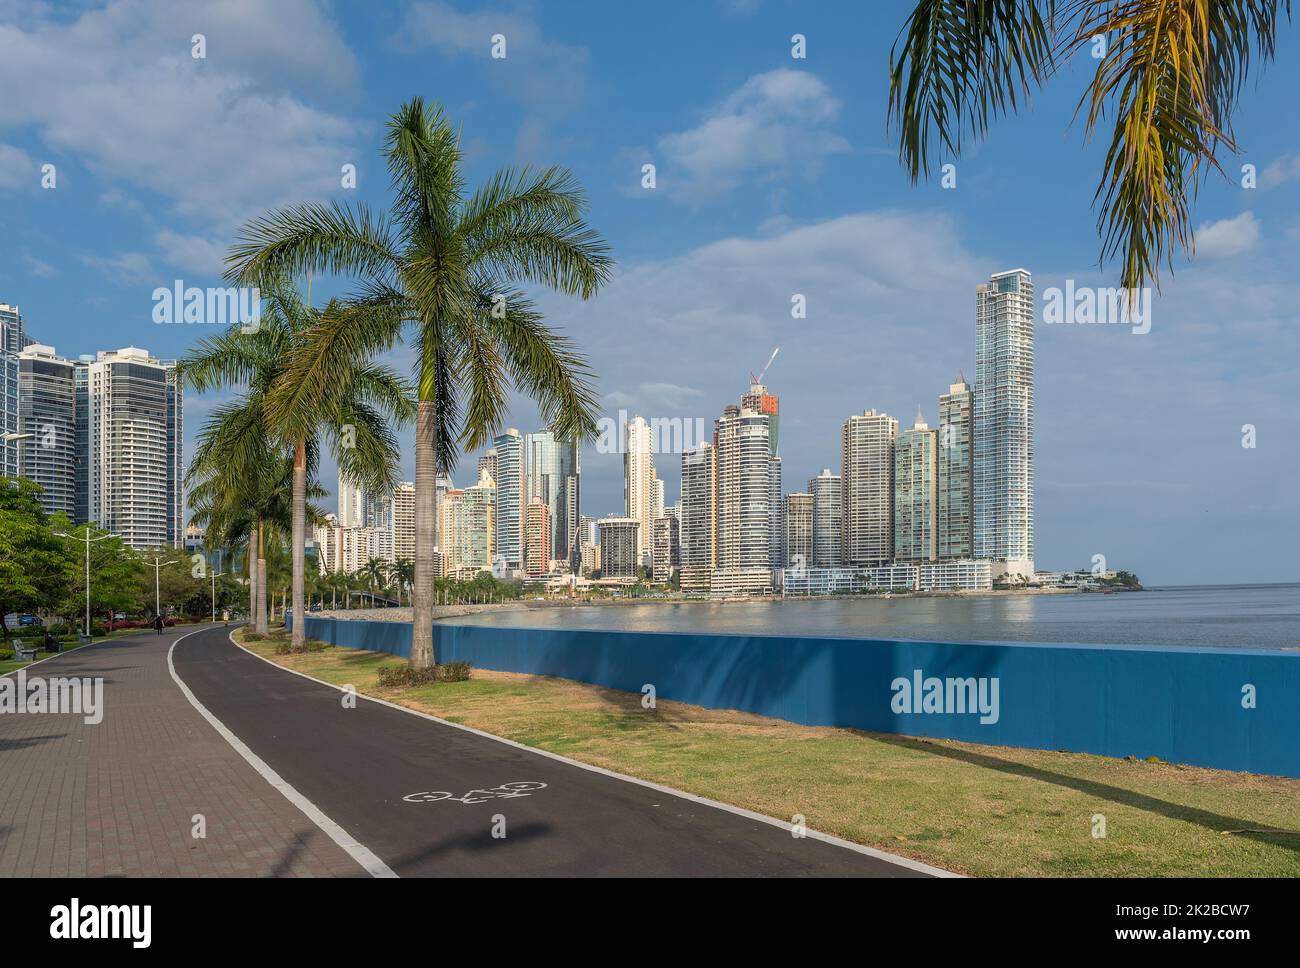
(907, 862)
(359, 852)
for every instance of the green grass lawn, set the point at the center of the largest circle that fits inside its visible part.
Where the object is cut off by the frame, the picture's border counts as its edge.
(9, 665)
(982, 810)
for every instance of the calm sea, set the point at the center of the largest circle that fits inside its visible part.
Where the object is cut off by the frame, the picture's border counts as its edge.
(1226, 616)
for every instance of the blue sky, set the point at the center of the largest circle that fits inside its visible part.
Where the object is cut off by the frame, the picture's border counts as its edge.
(775, 176)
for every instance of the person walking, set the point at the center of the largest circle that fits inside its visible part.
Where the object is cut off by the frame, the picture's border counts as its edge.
(157, 624)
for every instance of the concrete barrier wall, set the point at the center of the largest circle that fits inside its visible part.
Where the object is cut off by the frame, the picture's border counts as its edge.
(1231, 709)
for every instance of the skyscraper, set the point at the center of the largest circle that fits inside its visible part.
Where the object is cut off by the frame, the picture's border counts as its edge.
(47, 419)
(775, 513)
(916, 493)
(666, 555)
(640, 489)
(404, 521)
(134, 447)
(1004, 422)
(699, 517)
(744, 519)
(13, 337)
(956, 514)
(474, 536)
(510, 490)
(352, 503)
(619, 557)
(537, 537)
(487, 461)
(828, 509)
(551, 473)
(867, 489)
(799, 530)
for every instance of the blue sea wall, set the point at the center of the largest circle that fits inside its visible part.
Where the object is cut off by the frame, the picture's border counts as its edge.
(1232, 709)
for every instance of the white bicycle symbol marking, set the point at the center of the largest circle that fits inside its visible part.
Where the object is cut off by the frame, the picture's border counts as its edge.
(518, 788)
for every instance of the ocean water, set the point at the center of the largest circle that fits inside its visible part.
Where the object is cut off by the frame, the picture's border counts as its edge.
(1204, 616)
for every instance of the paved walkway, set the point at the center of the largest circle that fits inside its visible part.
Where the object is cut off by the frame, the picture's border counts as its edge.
(406, 794)
(359, 765)
(118, 798)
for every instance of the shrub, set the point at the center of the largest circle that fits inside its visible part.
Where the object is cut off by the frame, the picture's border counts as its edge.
(254, 637)
(404, 675)
(6, 655)
(311, 645)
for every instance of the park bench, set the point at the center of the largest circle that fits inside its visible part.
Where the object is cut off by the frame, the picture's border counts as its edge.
(25, 653)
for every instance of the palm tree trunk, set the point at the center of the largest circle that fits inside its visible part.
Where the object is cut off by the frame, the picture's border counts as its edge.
(426, 488)
(252, 576)
(261, 581)
(299, 543)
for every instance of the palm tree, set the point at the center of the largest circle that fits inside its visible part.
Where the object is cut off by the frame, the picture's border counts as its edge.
(375, 574)
(352, 415)
(1168, 76)
(449, 267)
(403, 571)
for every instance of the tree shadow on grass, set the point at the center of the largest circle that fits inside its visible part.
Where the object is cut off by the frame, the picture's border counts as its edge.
(1249, 829)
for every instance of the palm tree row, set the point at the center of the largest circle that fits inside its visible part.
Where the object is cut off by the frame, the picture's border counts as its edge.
(443, 271)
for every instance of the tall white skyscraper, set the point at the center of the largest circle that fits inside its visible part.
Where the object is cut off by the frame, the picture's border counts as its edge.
(867, 489)
(828, 509)
(1004, 422)
(956, 515)
(744, 520)
(352, 504)
(640, 487)
(508, 546)
(798, 522)
(916, 493)
(134, 447)
(404, 521)
(47, 421)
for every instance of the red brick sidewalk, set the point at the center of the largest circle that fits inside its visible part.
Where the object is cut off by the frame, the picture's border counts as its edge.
(119, 797)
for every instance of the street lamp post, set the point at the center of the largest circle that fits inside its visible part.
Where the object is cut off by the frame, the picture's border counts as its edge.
(158, 565)
(89, 539)
(11, 436)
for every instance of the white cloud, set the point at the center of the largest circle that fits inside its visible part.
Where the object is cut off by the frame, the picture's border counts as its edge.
(1284, 169)
(775, 124)
(546, 76)
(16, 168)
(124, 268)
(39, 267)
(1227, 237)
(192, 253)
(217, 138)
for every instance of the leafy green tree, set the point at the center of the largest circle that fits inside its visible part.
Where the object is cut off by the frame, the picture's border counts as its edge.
(448, 267)
(1167, 78)
(116, 572)
(35, 565)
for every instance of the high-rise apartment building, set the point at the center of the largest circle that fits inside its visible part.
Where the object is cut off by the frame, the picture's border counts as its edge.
(134, 447)
(352, 503)
(641, 489)
(799, 530)
(916, 493)
(47, 426)
(776, 515)
(1004, 422)
(956, 514)
(666, 553)
(744, 520)
(699, 517)
(509, 544)
(828, 508)
(474, 535)
(867, 489)
(487, 461)
(404, 522)
(537, 537)
(619, 547)
(13, 338)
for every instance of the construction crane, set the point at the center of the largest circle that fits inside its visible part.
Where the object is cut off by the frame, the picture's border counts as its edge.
(763, 372)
